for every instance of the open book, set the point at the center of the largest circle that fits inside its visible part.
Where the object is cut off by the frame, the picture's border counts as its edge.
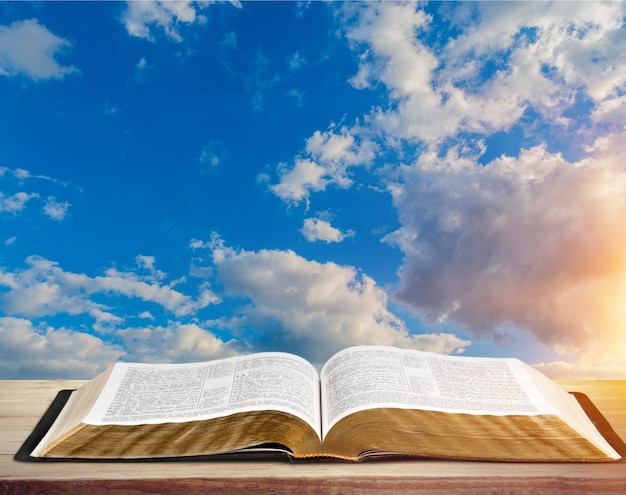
(367, 401)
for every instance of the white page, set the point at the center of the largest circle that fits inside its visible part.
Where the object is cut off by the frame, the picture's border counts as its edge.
(157, 393)
(365, 377)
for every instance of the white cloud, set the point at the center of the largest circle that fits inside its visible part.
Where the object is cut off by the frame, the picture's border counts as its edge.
(28, 351)
(532, 241)
(535, 242)
(148, 264)
(15, 202)
(541, 55)
(176, 342)
(43, 288)
(312, 308)
(141, 18)
(316, 229)
(297, 182)
(340, 148)
(27, 47)
(328, 157)
(56, 209)
(390, 31)
(602, 360)
(32, 352)
(130, 285)
(20, 174)
(392, 53)
(611, 112)
(555, 49)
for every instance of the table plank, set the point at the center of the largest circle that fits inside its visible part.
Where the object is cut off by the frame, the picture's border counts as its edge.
(23, 402)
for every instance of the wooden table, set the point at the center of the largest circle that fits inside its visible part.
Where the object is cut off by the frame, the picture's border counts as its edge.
(23, 402)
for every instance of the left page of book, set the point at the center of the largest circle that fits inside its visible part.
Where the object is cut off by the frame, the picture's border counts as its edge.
(156, 393)
(145, 411)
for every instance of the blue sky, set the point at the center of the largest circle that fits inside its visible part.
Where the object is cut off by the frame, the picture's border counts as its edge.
(184, 181)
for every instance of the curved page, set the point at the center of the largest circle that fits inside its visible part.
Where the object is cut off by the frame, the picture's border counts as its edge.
(157, 393)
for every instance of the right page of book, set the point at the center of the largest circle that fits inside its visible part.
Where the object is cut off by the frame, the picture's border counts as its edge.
(365, 377)
(485, 398)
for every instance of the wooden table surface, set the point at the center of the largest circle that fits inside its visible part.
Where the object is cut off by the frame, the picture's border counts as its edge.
(22, 402)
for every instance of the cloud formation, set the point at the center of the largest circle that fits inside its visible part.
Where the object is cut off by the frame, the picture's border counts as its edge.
(34, 297)
(15, 200)
(44, 288)
(287, 303)
(56, 209)
(28, 351)
(316, 229)
(326, 161)
(506, 59)
(314, 308)
(27, 47)
(533, 240)
(141, 18)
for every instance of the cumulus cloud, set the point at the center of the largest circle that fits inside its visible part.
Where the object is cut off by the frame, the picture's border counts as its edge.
(532, 241)
(44, 288)
(56, 209)
(27, 47)
(312, 308)
(328, 156)
(535, 241)
(316, 229)
(129, 284)
(176, 342)
(31, 298)
(141, 18)
(505, 59)
(27, 351)
(15, 202)
(33, 351)
(297, 182)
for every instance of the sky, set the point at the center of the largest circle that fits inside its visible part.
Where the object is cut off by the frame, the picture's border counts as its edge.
(185, 181)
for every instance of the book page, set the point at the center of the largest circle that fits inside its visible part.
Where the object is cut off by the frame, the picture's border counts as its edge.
(367, 377)
(153, 393)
